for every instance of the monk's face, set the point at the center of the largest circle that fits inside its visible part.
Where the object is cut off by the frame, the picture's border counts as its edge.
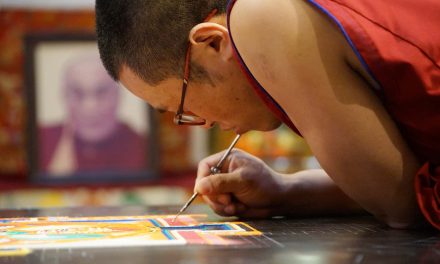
(227, 99)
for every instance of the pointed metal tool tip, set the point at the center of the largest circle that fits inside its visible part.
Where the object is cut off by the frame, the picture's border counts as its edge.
(175, 217)
(193, 197)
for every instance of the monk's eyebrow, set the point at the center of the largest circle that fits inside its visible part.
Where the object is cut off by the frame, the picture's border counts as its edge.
(161, 110)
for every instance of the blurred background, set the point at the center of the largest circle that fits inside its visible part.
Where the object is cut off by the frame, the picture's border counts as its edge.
(176, 149)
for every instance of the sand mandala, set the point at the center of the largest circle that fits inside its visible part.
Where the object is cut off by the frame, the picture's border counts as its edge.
(117, 231)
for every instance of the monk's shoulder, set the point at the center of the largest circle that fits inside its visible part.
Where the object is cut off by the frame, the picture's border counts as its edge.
(261, 16)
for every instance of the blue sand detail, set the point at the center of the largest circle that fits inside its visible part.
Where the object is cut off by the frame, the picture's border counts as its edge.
(203, 227)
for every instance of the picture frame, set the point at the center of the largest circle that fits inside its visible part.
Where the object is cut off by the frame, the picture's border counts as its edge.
(82, 127)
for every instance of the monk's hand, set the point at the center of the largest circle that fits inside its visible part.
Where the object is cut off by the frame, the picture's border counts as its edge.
(246, 187)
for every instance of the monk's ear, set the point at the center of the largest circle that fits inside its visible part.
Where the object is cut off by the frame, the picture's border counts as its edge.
(212, 36)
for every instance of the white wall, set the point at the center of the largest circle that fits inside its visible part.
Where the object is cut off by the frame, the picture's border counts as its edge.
(48, 4)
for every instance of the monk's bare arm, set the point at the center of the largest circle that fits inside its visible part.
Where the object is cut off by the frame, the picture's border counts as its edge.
(302, 60)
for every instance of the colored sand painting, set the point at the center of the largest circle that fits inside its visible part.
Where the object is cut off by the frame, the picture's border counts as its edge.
(117, 231)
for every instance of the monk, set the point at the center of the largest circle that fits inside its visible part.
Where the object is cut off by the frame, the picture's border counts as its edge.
(358, 79)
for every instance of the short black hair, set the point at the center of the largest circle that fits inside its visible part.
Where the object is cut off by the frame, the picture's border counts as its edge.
(149, 36)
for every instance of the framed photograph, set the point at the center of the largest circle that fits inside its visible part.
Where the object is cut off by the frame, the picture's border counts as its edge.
(82, 126)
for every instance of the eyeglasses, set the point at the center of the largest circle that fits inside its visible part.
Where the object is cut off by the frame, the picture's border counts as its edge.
(182, 118)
